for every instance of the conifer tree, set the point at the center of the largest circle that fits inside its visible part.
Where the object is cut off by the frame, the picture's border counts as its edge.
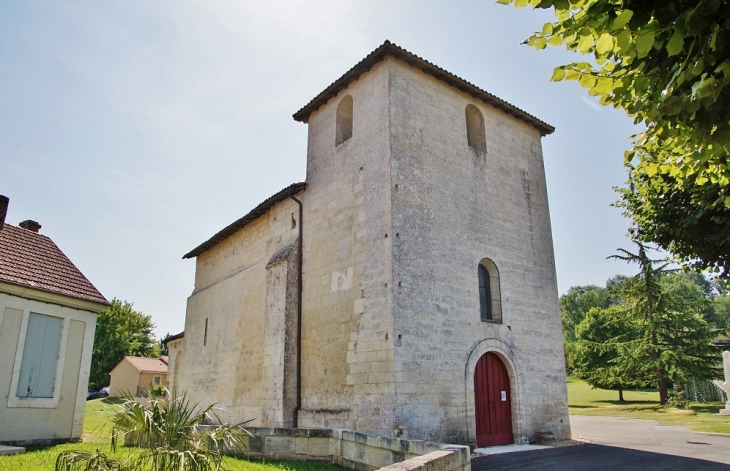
(673, 341)
(598, 339)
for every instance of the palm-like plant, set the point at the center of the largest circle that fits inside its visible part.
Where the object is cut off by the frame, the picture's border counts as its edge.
(170, 433)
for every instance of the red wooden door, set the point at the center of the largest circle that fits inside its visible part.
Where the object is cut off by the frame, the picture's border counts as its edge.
(492, 402)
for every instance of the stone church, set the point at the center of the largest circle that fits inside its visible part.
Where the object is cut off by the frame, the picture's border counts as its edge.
(407, 288)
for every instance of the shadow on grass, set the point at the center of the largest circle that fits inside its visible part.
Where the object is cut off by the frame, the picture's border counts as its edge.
(708, 407)
(598, 404)
(113, 400)
(630, 403)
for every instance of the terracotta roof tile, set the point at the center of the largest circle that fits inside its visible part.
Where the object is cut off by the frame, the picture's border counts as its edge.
(32, 260)
(148, 365)
(388, 49)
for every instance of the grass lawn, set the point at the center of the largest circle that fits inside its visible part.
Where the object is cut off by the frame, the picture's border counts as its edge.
(644, 404)
(96, 436)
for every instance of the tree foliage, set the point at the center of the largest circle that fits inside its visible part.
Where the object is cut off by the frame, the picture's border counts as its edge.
(672, 341)
(575, 305)
(598, 339)
(120, 331)
(721, 313)
(667, 64)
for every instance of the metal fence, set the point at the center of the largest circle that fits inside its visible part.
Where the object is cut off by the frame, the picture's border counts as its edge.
(704, 390)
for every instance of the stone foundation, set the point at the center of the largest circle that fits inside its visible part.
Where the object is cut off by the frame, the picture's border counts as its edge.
(355, 450)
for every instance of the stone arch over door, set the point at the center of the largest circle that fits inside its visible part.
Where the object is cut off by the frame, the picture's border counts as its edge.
(509, 358)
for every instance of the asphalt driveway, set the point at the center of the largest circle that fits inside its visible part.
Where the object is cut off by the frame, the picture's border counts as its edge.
(624, 444)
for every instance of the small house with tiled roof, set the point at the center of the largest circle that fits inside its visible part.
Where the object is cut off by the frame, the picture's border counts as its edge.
(48, 314)
(135, 375)
(406, 288)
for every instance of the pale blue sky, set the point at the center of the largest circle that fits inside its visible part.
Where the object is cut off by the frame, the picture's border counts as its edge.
(133, 131)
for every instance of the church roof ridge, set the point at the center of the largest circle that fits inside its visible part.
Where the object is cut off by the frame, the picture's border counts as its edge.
(255, 213)
(390, 49)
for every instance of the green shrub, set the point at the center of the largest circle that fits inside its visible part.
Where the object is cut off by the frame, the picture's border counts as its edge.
(168, 431)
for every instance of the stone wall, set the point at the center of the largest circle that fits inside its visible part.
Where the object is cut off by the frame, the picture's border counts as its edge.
(396, 221)
(238, 323)
(354, 450)
(453, 207)
(347, 348)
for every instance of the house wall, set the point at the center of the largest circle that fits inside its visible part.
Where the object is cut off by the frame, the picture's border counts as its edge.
(54, 419)
(453, 207)
(235, 363)
(347, 346)
(147, 378)
(123, 379)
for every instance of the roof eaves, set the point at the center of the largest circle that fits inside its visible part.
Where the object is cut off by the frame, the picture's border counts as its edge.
(101, 301)
(170, 338)
(390, 49)
(254, 214)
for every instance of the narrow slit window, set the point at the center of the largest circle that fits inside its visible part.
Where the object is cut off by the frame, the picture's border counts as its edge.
(475, 135)
(205, 333)
(489, 296)
(344, 120)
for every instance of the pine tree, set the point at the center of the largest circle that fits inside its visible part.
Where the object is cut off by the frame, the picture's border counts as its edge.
(673, 340)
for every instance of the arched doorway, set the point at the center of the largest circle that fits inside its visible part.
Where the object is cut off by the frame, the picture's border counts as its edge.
(492, 402)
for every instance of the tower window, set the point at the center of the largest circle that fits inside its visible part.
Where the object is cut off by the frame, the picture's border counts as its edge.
(344, 120)
(489, 297)
(475, 129)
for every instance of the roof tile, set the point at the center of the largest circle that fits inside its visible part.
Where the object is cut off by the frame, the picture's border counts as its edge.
(148, 365)
(388, 49)
(34, 261)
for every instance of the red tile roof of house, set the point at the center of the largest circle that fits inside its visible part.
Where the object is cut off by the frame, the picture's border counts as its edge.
(148, 365)
(32, 260)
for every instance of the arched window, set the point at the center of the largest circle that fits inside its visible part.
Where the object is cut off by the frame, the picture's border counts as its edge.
(489, 297)
(475, 129)
(344, 120)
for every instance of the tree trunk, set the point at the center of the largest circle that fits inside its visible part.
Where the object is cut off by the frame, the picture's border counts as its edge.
(663, 386)
(620, 394)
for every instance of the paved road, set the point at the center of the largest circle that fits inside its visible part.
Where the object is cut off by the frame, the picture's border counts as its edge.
(591, 457)
(622, 444)
(648, 435)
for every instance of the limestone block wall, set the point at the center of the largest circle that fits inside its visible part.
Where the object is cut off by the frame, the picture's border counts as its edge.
(281, 335)
(39, 420)
(452, 207)
(354, 450)
(347, 329)
(174, 365)
(227, 358)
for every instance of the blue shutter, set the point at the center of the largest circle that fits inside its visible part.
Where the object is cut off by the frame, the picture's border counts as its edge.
(40, 356)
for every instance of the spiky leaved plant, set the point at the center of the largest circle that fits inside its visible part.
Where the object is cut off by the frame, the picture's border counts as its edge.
(168, 430)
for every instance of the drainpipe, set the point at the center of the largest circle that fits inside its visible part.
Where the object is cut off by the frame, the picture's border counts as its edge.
(299, 319)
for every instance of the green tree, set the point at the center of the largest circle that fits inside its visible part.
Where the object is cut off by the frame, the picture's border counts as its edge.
(721, 313)
(596, 354)
(673, 339)
(667, 64)
(575, 304)
(120, 331)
